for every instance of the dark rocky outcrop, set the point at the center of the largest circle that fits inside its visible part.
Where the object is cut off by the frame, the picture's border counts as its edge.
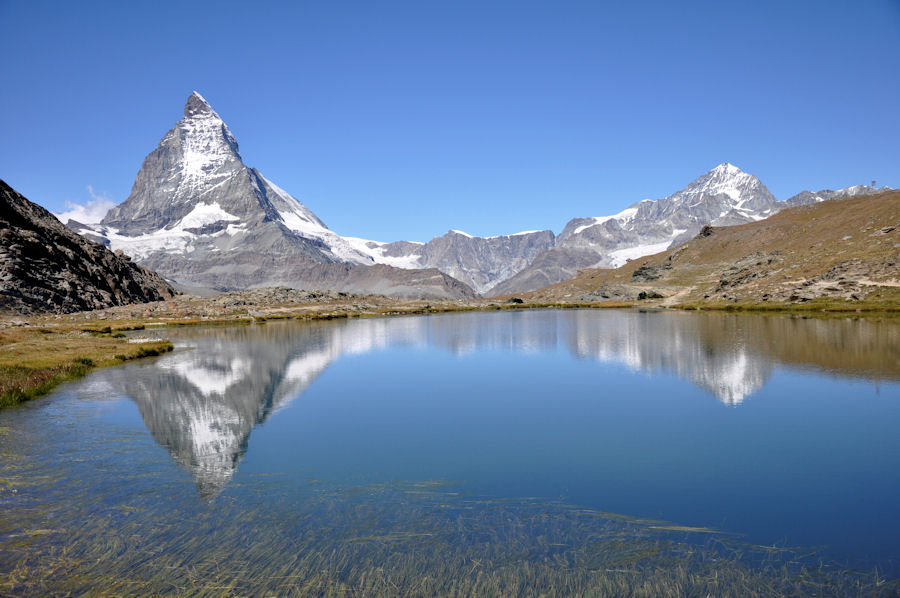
(648, 273)
(45, 267)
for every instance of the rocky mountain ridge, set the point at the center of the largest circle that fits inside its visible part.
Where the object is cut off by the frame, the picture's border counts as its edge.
(200, 216)
(45, 267)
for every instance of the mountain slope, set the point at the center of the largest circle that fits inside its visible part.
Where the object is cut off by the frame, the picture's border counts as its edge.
(45, 267)
(198, 215)
(843, 248)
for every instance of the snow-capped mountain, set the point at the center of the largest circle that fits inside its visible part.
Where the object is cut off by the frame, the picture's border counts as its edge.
(199, 216)
(724, 196)
(194, 190)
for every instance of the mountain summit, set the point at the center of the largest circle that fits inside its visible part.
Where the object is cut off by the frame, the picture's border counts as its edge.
(197, 104)
(196, 177)
(200, 216)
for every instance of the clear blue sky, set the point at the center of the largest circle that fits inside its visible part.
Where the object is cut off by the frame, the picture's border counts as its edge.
(400, 120)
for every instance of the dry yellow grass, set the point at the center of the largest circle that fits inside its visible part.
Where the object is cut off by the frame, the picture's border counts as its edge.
(34, 359)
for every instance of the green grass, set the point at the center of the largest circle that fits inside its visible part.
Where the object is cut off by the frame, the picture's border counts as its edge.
(19, 384)
(35, 369)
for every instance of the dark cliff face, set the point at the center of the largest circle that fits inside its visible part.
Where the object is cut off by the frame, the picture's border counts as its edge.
(45, 267)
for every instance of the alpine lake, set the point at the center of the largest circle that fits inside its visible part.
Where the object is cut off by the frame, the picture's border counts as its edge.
(517, 453)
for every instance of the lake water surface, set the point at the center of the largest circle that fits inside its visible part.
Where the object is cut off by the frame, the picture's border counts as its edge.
(510, 453)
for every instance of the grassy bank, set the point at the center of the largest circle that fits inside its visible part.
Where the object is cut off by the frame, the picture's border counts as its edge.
(33, 360)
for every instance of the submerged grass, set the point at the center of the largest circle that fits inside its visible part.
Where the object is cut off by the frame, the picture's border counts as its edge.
(387, 541)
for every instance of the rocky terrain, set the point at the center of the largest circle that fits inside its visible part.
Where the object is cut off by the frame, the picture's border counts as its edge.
(249, 305)
(201, 217)
(45, 267)
(839, 249)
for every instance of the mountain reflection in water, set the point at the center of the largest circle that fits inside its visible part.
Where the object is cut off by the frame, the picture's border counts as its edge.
(202, 401)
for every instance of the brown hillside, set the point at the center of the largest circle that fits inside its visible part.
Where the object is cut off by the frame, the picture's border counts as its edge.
(848, 248)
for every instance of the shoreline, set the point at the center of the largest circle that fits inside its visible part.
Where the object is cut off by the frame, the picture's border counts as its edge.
(39, 352)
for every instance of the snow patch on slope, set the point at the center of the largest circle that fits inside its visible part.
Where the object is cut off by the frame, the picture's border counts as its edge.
(375, 250)
(207, 148)
(204, 214)
(624, 216)
(620, 256)
(176, 239)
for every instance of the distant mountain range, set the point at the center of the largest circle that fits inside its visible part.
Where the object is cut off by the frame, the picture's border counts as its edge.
(199, 216)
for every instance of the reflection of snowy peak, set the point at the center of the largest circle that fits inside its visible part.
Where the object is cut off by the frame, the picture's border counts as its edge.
(202, 403)
(684, 347)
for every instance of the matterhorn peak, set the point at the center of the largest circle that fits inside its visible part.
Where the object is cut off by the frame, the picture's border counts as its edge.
(196, 105)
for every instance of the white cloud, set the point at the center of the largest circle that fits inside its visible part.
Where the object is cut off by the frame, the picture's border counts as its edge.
(90, 213)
